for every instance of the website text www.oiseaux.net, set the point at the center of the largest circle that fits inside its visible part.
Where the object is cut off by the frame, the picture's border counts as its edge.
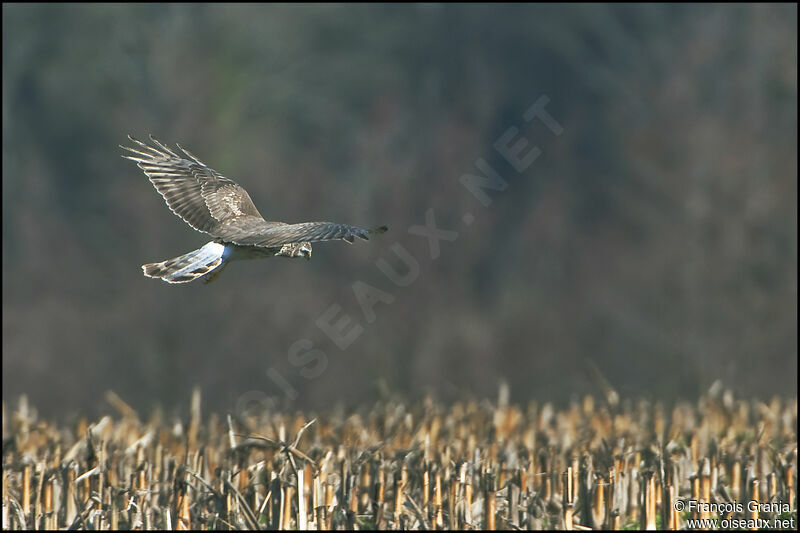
(752, 509)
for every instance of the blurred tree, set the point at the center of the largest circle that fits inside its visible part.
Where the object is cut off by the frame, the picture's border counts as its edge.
(655, 240)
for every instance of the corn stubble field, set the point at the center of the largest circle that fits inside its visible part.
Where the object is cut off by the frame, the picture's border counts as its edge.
(598, 464)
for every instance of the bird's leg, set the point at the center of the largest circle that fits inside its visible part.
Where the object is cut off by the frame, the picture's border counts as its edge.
(295, 249)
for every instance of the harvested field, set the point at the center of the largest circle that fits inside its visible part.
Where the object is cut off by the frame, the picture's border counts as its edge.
(599, 464)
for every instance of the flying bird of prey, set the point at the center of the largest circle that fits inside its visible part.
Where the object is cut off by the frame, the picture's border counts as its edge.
(213, 204)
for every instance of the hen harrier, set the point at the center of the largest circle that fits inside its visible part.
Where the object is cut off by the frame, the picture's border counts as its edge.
(213, 204)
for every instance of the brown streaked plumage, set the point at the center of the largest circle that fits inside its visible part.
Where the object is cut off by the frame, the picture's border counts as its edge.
(218, 206)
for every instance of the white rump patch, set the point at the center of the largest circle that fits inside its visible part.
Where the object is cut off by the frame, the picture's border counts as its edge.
(203, 256)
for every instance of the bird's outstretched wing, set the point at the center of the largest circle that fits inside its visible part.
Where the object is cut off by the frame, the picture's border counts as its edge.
(202, 197)
(216, 205)
(253, 231)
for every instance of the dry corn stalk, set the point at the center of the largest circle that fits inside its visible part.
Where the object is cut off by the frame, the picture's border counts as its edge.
(401, 466)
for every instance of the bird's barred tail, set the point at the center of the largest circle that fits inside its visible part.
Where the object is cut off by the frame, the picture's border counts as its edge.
(189, 267)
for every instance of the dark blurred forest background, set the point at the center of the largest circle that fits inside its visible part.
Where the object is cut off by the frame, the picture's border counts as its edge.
(653, 243)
